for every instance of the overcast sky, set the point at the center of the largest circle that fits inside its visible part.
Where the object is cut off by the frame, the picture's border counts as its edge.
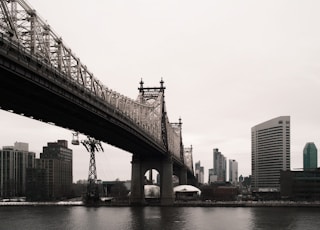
(227, 66)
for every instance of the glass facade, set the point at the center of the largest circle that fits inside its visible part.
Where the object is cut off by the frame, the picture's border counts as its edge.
(310, 156)
(301, 185)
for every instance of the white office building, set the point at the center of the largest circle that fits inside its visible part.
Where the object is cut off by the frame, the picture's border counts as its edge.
(270, 153)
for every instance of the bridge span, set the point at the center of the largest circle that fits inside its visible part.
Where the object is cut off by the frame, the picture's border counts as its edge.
(42, 79)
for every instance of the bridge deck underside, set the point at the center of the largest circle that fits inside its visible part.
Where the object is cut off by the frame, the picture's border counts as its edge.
(37, 90)
(23, 96)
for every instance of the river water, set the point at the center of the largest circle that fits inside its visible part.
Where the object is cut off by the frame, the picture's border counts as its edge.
(154, 218)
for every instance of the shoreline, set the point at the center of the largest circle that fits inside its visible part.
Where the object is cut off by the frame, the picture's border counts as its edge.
(249, 204)
(315, 204)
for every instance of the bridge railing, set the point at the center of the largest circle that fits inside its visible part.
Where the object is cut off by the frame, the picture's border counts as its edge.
(21, 27)
(174, 139)
(143, 115)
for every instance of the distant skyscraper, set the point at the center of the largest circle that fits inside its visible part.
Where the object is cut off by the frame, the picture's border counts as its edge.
(202, 174)
(310, 156)
(212, 177)
(14, 161)
(219, 165)
(199, 173)
(197, 170)
(233, 171)
(270, 152)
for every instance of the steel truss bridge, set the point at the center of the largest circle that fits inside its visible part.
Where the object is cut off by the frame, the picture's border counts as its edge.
(43, 79)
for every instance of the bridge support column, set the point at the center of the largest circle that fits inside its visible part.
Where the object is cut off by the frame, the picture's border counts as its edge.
(137, 183)
(166, 188)
(183, 178)
(139, 165)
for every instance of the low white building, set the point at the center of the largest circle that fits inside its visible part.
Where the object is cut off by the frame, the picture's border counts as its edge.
(186, 192)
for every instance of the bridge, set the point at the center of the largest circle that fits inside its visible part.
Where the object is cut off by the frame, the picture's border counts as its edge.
(43, 79)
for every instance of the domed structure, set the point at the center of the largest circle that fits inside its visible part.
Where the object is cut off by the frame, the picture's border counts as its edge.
(186, 192)
(186, 188)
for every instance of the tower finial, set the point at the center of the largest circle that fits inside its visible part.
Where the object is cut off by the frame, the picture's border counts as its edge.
(141, 85)
(161, 83)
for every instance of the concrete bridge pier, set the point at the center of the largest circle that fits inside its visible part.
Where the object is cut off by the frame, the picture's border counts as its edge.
(137, 182)
(166, 183)
(139, 166)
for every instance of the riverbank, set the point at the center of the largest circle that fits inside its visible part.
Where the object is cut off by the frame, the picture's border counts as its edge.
(176, 204)
(248, 204)
(48, 203)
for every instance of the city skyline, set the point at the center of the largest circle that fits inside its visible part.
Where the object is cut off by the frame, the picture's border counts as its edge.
(226, 67)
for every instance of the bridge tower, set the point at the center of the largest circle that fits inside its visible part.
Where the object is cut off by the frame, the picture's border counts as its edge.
(147, 95)
(141, 163)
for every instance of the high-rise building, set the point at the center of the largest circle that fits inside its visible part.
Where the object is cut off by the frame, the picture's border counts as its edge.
(219, 165)
(199, 172)
(14, 162)
(310, 156)
(37, 183)
(270, 152)
(233, 171)
(56, 158)
(202, 174)
(212, 177)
